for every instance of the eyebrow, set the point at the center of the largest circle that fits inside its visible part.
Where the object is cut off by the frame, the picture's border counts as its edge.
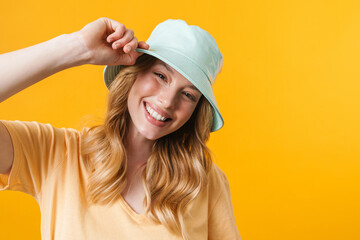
(167, 66)
(193, 87)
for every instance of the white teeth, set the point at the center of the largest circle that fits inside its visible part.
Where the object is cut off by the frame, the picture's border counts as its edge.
(154, 114)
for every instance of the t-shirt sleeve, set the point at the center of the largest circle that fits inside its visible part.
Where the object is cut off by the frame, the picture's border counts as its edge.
(38, 150)
(222, 224)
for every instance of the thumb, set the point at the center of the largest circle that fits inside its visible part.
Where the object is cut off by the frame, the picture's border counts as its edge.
(131, 57)
(142, 45)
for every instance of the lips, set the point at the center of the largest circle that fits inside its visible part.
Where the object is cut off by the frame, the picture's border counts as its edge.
(158, 110)
(152, 120)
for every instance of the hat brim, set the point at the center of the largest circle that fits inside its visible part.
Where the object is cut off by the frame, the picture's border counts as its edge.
(185, 67)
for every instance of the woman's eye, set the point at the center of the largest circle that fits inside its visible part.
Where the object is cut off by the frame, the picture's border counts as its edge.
(160, 75)
(189, 96)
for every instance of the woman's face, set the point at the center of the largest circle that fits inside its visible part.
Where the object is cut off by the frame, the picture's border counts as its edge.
(161, 101)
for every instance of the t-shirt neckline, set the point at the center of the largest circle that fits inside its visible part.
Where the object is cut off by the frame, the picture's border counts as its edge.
(130, 211)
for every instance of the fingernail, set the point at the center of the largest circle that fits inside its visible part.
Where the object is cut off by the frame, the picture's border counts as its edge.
(128, 48)
(117, 45)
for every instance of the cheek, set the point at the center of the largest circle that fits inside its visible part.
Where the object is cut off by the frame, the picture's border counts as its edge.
(145, 86)
(186, 112)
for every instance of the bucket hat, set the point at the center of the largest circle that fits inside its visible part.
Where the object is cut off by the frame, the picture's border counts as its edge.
(191, 51)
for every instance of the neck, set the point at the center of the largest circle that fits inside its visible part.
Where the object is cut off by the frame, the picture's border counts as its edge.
(138, 148)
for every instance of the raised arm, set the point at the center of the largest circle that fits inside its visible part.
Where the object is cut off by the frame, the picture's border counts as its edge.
(95, 44)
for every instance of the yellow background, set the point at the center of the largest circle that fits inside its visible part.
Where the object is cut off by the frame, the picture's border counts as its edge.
(289, 94)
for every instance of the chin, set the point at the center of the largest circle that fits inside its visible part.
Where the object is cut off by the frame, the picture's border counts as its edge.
(150, 135)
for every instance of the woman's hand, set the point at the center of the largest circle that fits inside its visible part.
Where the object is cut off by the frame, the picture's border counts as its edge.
(96, 44)
(109, 42)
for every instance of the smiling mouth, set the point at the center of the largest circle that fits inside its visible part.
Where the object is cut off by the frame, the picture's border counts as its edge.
(157, 116)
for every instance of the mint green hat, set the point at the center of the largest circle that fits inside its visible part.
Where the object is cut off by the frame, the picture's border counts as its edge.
(191, 51)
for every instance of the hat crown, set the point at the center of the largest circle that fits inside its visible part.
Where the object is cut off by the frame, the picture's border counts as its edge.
(190, 41)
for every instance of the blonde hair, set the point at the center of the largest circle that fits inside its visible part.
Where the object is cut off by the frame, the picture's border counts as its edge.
(174, 174)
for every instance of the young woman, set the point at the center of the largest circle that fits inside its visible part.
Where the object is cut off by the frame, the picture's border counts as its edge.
(146, 173)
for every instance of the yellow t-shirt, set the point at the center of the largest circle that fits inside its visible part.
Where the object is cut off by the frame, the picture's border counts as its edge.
(48, 165)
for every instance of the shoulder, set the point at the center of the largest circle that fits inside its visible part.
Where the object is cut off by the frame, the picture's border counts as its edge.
(218, 184)
(35, 125)
(33, 130)
(216, 176)
(221, 218)
(216, 192)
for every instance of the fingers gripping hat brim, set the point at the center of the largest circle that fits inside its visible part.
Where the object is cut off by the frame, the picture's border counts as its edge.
(185, 67)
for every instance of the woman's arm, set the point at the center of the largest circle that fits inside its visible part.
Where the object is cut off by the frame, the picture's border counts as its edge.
(102, 42)
(94, 44)
(23, 68)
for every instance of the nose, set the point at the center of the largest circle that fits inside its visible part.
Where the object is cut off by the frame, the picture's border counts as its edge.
(167, 98)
